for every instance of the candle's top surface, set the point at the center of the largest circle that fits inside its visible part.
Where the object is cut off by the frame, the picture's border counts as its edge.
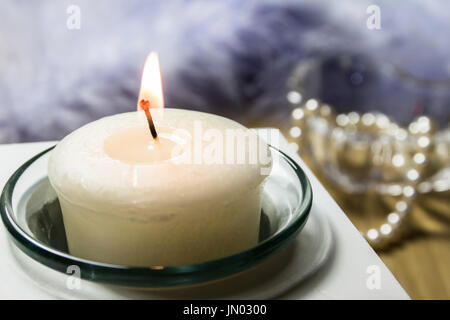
(112, 162)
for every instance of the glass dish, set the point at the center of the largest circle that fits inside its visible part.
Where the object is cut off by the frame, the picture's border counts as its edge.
(30, 211)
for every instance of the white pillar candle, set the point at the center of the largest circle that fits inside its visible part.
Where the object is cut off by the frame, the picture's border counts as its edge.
(182, 194)
(131, 200)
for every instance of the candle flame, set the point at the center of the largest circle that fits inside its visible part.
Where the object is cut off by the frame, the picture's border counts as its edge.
(151, 94)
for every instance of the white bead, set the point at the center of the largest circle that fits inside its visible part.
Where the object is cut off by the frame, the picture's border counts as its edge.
(394, 190)
(294, 97)
(424, 124)
(393, 218)
(401, 134)
(382, 121)
(423, 141)
(295, 132)
(325, 110)
(414, 128)
(398, 160)
(298, 113)
(386, 229)
(312, 104)
(368, 119)
(401, 206)
(353, 117)
(412, 174)
(342, 120)
(373, 235)
(419, 158)
(408, 191)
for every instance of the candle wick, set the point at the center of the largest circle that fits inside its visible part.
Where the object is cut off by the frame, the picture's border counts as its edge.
(145, 105)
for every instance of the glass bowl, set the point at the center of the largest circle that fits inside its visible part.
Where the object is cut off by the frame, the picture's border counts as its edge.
(31, 213)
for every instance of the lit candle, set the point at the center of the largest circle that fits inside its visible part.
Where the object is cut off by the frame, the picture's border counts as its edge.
(183, 197)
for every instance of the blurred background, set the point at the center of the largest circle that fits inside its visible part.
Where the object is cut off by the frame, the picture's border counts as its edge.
(360, 88)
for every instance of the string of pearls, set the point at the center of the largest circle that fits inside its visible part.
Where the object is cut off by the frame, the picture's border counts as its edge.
(417, 137)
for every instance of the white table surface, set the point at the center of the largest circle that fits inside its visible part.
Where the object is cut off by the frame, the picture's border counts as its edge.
(344, 276)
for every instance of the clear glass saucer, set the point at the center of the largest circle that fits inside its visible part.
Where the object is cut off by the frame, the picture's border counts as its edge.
(30, 211)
